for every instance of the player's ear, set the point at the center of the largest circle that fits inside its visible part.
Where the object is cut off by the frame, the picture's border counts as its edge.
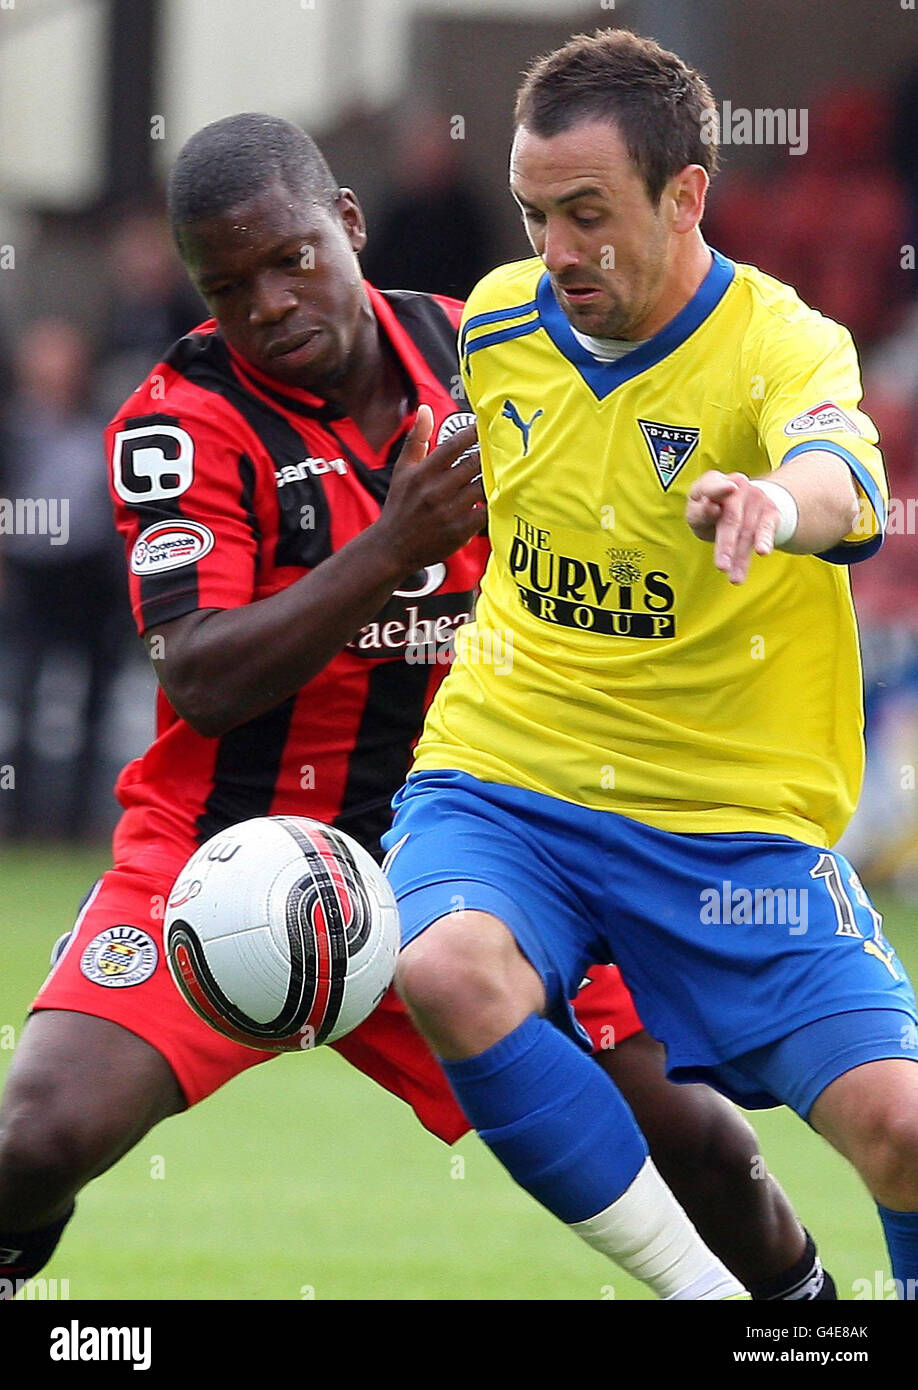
(351, 214)
(688, 190)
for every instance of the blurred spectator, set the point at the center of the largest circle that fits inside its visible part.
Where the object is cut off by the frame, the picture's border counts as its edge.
(362, 127)
(432, 232)
(151, 303)
(63, 591)
(831, 221)
(883, 838)
(6, 377)
(905, 151)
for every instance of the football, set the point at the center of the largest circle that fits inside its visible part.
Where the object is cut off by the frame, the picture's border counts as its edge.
(282, 933)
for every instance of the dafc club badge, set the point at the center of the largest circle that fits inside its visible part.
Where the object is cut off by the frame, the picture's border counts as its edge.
(120, 956)
(670, 447)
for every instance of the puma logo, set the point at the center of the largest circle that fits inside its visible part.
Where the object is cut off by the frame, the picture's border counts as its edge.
(511, 413)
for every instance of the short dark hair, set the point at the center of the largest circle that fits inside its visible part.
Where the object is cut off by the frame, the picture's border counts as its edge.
(230, 160)
(663, 108)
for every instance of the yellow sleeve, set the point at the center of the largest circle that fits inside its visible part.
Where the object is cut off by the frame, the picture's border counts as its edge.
(498, 306)
(806, 383)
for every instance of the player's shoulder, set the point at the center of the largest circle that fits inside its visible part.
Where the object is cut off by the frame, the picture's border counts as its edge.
(778, 319)
(508, 289)
(417, 306)
(185, 383)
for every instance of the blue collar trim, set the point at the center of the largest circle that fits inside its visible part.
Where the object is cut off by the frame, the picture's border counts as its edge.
(604, 377)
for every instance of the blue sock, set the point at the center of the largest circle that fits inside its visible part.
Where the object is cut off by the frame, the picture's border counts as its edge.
(901, 1231)
(553, 1119)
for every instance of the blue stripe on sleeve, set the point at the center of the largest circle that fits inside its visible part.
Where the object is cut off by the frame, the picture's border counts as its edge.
(848, 552)
(494, 316)
(502, 336)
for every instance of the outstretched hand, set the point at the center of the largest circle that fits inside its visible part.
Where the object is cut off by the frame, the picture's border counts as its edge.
(739, 518)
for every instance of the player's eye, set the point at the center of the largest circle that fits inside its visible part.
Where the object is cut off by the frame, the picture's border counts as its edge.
(218, 291)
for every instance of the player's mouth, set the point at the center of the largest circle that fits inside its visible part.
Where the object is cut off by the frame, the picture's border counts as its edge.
(580, 294)
(294, 350)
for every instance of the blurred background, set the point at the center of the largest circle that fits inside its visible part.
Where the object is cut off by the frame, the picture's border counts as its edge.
(411, 102)
(252, 1196)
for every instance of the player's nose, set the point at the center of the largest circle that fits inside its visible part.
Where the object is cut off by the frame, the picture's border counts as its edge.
(272, 299)
(557, 252)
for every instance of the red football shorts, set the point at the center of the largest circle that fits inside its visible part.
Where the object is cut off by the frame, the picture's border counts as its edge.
(114, 967)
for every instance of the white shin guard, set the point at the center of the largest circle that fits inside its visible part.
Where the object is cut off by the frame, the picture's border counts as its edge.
(647, 1233)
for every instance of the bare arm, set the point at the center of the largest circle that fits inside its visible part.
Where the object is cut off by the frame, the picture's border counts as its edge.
(741, 519)
(221, 667)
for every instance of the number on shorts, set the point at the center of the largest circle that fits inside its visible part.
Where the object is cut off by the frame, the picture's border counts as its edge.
(827, 869)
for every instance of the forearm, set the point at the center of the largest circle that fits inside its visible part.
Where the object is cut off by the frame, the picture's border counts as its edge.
(223, 667)
(827, 498)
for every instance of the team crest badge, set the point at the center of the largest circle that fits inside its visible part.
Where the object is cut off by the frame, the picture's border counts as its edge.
(120, 956)
(454, 423)
(670, 447)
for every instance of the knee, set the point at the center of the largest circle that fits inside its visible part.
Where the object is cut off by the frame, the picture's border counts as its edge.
(887, 1157)
(465, 976)
(457, 964)
(730, 1145)
(46, 1149)
(691, 1129)
(710, 1142)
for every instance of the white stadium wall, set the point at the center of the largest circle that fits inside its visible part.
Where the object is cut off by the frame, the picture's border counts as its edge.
(50, 101)
(315, 60)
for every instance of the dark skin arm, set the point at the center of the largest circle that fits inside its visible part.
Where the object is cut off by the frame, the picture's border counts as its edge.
(222, 667)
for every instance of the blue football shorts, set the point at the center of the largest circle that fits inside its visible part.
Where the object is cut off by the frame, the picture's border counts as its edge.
(757, 960)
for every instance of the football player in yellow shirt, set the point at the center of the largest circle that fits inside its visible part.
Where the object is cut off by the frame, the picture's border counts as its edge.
(652, 735)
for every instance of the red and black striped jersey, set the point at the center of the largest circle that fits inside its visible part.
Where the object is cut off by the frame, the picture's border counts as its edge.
(228, 486)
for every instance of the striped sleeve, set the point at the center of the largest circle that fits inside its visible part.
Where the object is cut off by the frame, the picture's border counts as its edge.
(810, 390)
(183, 491)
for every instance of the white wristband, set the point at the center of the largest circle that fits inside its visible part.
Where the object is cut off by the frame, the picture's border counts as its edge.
(788, 512)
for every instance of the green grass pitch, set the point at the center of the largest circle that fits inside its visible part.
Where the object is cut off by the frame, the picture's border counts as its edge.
(303, 1180)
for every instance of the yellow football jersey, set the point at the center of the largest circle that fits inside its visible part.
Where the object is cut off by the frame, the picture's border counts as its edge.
(610, 664)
